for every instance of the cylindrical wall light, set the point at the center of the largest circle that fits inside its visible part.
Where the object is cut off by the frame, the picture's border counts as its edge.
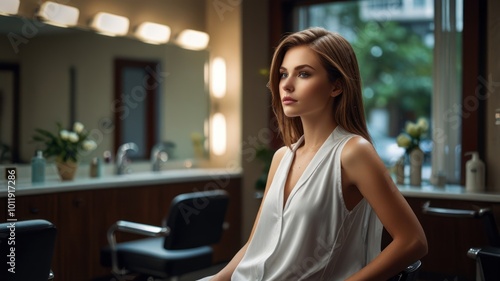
(218, 77)
(218, 134)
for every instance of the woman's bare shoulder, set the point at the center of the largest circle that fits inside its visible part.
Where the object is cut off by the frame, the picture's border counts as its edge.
(358, 149)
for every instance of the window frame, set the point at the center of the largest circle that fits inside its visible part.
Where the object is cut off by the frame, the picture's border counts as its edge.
(474, 36)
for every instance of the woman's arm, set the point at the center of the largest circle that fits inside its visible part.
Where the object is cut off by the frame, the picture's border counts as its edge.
(227, 271)
(365, 175)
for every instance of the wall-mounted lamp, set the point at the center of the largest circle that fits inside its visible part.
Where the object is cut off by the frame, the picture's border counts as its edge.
(58, 14)
(193, 39)
(218, 134)
(153, 33)
(218, 74)
(9, 7)
(110, 24)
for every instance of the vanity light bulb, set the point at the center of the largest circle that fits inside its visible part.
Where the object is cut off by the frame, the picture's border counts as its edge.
(58, 14)
(109, 24)
(193, 40)
(9, 7)
(219, 77)
(154, 33)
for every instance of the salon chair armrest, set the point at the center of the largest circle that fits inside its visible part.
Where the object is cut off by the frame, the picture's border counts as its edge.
(426, 209)
(485, 214)
(134, 228)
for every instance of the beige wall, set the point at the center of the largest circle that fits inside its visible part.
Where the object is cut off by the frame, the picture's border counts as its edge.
(224, 27)
(256, 101)
(239, 32)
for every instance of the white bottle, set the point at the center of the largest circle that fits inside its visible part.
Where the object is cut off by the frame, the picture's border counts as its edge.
(474, 177)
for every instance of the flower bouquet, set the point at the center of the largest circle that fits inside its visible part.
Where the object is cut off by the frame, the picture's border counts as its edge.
(66, 146)
(410, 140)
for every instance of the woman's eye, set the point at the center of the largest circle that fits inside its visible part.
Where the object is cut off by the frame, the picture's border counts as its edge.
(283, 75)
(303, 74)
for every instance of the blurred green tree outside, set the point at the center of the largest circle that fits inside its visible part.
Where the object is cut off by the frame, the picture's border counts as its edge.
(395, 63)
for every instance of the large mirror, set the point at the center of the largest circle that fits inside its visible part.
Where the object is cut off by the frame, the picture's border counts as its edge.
(54, 74)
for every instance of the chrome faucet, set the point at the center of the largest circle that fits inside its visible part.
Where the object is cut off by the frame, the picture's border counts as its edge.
(159, 155)
(121, 157)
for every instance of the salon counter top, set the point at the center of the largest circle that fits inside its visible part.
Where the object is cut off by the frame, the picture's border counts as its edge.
(453, 192)
(23, 187)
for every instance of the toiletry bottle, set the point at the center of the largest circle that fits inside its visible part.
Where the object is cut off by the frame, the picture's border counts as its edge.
(96, 168)
(38, 168)
(474, 177)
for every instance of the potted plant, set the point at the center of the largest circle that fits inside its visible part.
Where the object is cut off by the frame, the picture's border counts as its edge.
(65, 146)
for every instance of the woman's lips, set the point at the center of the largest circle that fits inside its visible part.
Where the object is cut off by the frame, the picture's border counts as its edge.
(288, 100)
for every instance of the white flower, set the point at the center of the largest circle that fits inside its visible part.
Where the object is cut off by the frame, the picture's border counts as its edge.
(64, 134)
(423, 124)
(78, 127)
(413, 130)
(89, 145)
(73, 137)
(403, 141)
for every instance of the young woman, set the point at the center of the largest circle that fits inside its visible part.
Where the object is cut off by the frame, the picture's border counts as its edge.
(328, 193)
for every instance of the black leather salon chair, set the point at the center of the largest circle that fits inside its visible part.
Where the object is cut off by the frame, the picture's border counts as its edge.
(27, 247)
(181, 245)
(487, 257)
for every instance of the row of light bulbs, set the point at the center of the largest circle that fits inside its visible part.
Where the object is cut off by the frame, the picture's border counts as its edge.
(110, 24)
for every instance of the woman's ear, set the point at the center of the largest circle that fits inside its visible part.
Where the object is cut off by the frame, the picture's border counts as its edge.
(336, 89)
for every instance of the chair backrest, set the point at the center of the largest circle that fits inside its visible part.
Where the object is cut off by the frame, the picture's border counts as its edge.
(196, 219)
(488, 259)
(27, 248)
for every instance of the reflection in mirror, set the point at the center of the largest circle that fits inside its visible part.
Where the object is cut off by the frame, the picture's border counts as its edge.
(69, 75)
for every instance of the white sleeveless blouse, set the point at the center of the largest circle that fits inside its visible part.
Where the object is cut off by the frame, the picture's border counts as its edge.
(314, 237)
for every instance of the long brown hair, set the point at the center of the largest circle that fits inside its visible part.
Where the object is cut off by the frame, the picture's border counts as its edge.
(338, 58)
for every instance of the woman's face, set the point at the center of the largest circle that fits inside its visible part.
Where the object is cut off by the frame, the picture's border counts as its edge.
(305, 90)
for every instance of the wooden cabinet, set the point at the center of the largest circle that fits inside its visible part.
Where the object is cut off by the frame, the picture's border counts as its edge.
(449, 239)
(75, 233)
(82, 219)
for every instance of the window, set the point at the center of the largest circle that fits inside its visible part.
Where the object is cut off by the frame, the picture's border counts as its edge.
(409, 55)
